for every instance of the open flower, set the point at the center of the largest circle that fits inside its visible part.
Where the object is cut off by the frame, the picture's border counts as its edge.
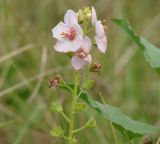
(68, 34)
(82, 56)
(100, 37)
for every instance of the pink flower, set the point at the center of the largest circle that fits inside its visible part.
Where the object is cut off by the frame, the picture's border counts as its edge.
(68, 34)
(93, 16)
(82, 56)
(100, 37)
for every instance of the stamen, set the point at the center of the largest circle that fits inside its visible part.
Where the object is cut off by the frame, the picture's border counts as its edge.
(69, 35)
(81, 53)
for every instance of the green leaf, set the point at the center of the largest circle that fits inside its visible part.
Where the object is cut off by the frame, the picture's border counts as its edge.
(151, 52)
(57, 132)
(88, 84)
(91, 123)
(122, 122)
(129, 127)
(80, 107)
(56, 106)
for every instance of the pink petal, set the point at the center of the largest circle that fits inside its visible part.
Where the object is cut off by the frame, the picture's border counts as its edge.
(70, 18)
(68, 46)
(99, 29)
(76, 43)
(62, 46)
(94, 16)
(58, 30)
(87, 45)
(101, 43)
(78, 63)
(77, 28)
(88, 59)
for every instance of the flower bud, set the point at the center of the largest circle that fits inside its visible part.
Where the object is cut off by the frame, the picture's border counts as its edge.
(91, 123)
(80, 16)
(56, 106)
(84, 14)
(96, 67)
(55, 82)
(105, 25)
(75, 140)
(87, 12)
(80, 107)
(57, 132)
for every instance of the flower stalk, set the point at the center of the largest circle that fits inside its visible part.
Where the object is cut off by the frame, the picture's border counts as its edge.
(74, 101)
(65, 117)
(79, 129)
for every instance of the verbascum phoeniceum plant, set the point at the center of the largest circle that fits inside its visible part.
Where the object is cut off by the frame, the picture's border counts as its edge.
(76, 37)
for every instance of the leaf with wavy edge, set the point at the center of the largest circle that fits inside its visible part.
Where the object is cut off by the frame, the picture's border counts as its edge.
(129, 127)
(151, 52)
(122, 122)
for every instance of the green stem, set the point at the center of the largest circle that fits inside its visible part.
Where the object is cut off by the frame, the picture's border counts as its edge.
(66, 138)
(74, 101)
(67, 86)
(65, 117)
(79, 129)
(113, 131)
(79, 94)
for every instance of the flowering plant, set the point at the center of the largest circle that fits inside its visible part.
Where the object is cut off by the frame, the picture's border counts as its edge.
(74, 37)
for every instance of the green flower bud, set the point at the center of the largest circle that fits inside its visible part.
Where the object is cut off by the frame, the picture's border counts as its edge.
(88, 84)
(75, 140)
(57, 132)
(80, 107)
(84, 14)
(91, 123)
(56, 106)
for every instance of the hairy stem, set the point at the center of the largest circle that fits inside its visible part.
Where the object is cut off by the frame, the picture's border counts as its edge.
(74, 101)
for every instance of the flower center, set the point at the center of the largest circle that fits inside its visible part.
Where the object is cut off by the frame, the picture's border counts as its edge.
(81, 53)
(70, 35)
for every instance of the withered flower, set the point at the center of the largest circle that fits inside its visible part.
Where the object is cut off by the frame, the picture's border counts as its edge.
(55, 81)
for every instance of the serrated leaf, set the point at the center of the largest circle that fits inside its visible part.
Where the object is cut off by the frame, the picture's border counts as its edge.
(88, 84)
(80, 107)
(57, 132)
(151, 52)
(91, 123)
(56, 106)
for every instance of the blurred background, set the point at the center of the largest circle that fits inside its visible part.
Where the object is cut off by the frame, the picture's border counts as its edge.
(28, 62)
